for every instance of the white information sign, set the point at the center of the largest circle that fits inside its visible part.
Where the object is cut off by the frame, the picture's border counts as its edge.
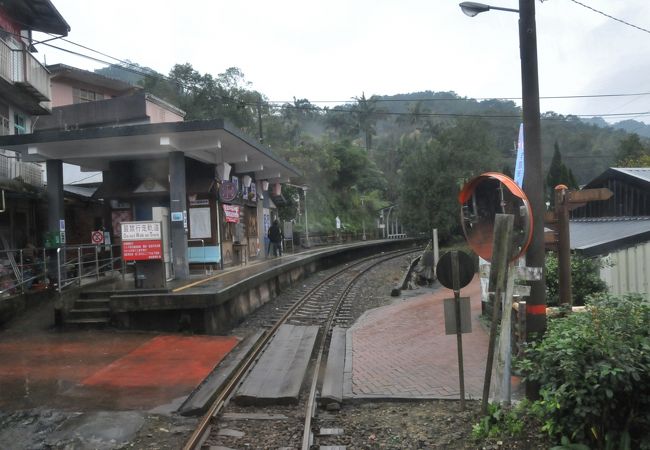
(141, 231)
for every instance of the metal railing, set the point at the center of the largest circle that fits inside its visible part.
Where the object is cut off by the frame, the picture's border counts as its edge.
(20, 66)
(11, 168)
(31, 269)
(78, 263)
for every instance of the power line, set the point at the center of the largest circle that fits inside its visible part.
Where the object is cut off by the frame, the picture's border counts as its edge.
(610, 17)
(129, 67)
(414, 100)
(85, 178)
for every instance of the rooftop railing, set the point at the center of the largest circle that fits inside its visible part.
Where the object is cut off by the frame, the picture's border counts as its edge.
(11, 168)
(21, 68)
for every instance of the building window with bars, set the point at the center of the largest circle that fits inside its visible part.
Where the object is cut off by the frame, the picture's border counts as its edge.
(81, 95)
(20, 124)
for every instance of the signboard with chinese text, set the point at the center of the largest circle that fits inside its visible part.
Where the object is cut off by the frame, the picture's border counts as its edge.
(141, 250)
(228, 191)
(141, 241)
(231, 213)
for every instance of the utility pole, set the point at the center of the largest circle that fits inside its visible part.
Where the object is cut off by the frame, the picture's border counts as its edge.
(536, 304)
(259, 118)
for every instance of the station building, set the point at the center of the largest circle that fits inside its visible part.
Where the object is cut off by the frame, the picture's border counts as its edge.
(25, 97)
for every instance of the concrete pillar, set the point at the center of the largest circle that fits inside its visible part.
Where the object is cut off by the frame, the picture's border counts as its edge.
(55, 210)
(178, 204)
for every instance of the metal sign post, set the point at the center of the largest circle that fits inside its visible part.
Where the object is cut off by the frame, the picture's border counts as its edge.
(459, 333)
(454, 271)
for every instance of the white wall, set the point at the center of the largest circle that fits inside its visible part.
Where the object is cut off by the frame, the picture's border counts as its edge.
(629, 271)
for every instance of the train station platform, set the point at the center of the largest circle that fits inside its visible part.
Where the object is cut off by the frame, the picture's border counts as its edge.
(213, 304)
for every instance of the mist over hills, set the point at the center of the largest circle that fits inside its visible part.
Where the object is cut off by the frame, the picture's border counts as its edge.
(588, 146)
(629, 125)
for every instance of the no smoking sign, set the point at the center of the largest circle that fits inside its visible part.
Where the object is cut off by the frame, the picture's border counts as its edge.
(97, 237)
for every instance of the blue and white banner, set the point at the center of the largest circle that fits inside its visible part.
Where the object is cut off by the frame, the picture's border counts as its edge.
(519, 165)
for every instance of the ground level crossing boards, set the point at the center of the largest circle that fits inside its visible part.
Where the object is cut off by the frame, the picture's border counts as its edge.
(278, 375)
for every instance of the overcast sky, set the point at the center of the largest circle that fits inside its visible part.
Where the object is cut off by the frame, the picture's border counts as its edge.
(337, 49)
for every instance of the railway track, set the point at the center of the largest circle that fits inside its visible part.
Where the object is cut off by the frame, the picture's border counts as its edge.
(324, 302)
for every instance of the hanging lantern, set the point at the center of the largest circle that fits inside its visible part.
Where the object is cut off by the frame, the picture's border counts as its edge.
(277, 189)
(265, 185)
(223, 171)
(247, 181)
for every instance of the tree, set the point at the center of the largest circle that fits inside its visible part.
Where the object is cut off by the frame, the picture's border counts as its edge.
(643, 161)
(203, 96)
(630, 149)
(558, 173)
(434, 171)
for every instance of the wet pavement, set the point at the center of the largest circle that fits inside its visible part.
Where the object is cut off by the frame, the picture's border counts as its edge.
(102, 370)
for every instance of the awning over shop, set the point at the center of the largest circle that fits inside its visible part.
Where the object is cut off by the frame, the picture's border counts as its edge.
(211, 142)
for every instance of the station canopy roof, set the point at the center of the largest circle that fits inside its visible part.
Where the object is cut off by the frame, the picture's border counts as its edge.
(210, 141)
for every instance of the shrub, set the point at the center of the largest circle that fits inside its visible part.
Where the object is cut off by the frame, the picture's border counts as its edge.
(594, 372)
(585, 279)
(500, 422)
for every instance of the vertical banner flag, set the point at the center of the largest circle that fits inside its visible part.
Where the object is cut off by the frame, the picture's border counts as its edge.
(519, 165)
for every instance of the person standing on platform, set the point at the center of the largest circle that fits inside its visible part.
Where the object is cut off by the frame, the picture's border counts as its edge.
(276, 237)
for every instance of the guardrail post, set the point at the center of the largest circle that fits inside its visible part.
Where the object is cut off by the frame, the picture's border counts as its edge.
(97, 261)
(80, 265)
(21, 272)
(58, 268)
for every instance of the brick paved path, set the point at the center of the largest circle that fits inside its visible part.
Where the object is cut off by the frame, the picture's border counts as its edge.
(401, 350)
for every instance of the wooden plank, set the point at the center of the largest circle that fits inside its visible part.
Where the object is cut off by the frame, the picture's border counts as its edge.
(333, 381)
(589, 195)
(279, 373)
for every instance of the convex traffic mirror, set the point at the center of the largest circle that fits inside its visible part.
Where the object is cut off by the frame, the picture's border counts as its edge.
(482, 199)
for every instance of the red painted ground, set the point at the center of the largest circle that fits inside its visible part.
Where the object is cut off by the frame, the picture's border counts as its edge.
(103, 370)
(165, 361)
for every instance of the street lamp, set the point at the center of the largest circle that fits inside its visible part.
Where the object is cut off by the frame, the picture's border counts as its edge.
(533, 175)
(472, 8)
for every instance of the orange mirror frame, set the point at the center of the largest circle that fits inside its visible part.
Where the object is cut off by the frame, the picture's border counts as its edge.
(481, 199)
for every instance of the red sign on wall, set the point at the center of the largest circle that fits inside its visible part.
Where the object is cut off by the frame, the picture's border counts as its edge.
(231, 213)
(141, 250)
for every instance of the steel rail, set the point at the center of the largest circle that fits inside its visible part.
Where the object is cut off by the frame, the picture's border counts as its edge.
(201, 432)
(310, 407)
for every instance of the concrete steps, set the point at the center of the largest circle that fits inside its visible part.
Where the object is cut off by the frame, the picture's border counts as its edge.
(89, 313)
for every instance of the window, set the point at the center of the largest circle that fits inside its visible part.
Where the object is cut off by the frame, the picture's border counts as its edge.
(19, 124)
(4, 119)
(84, 95)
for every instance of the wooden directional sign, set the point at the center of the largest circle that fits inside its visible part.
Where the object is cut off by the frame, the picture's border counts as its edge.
(589, 195)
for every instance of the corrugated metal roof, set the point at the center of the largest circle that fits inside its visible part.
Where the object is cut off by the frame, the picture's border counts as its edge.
(81, 191)
(642, 173)
(601, 235)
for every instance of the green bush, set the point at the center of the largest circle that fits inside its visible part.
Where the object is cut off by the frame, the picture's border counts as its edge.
(500, 422)
(585, 279)
(594, 371)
